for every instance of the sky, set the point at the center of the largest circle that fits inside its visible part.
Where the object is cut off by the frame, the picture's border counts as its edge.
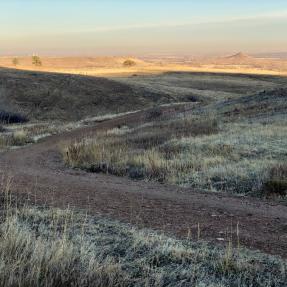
(142, 27)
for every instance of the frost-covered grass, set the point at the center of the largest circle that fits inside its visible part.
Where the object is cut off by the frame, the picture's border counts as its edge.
(15, 135)
(238, 158)
(16, 138)
(51, 247)
(195, 151)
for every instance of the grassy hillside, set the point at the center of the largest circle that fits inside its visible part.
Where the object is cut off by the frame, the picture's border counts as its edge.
(51, 96)
(204, 87)
(233, 143)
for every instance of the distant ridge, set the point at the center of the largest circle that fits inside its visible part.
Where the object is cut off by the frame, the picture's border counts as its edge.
(239, 56)
(58, 63)
(236, 59)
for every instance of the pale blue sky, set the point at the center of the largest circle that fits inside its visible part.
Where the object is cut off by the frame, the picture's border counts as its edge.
(142, 26)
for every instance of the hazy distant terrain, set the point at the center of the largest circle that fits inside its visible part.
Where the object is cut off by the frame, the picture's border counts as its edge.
(238, 63)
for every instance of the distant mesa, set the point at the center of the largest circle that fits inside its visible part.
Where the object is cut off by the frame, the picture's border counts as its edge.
(239, 56)
(237, 59)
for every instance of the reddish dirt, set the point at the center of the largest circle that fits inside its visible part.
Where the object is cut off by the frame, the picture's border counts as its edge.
(39, 173)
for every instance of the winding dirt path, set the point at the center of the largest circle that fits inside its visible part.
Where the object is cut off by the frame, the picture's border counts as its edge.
(39, 173)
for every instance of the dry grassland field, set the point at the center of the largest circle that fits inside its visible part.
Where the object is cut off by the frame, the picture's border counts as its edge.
(126, 172)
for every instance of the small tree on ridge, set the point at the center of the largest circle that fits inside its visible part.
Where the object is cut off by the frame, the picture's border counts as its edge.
(15, 61)
(36, 61)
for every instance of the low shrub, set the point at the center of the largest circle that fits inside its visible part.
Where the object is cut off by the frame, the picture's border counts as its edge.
(275, 187)
(148, 139)
(11, 118)
(20, 138)
(276, 184)
(154, 113)
(279, 171)
(129, 63)
(194, 127)
(17, 138)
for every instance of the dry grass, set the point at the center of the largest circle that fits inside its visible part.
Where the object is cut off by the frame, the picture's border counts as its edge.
(133, 152)
(237, 159)
(114, 66)
(9, 117)
(17, 138)
(193, 151)
(22, 134)
(52, 247)
(65, 97)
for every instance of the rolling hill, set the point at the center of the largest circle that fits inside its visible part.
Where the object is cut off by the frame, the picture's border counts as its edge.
(52, 96)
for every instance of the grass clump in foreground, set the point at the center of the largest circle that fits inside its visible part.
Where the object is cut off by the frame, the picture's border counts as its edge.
(16, 138)
(52, 247)
(22, 134)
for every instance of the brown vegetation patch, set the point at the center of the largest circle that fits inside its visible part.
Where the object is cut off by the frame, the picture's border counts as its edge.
(276, 185)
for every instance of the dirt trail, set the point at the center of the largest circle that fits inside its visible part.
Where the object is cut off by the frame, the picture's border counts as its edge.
(38, 171)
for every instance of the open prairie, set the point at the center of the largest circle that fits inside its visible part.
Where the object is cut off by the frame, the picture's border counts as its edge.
(115, 66)
(143, 143)
(142, 176)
